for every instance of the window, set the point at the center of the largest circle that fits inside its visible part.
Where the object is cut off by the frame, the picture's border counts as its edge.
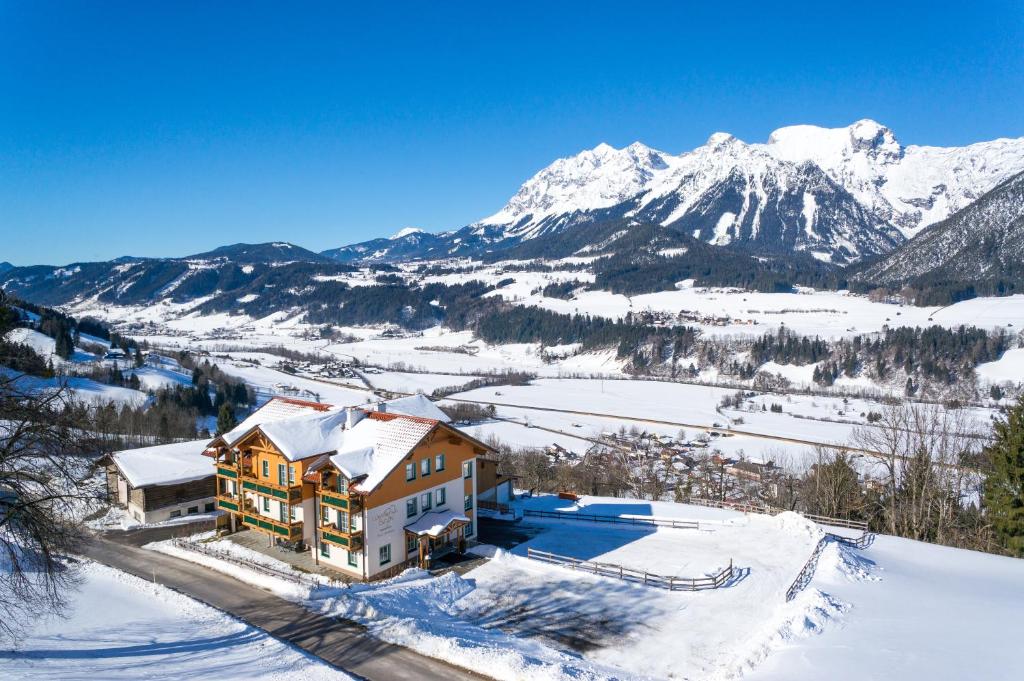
(467, 469)
(342, 484)
(425, 467)
(291, 475)
(342, 521)
(266, 504)
(410, 472)
(469, 502)
(410, 507)
(440, 496)
(325, 550)
(175, 514)
(352, 560)
(425, 501)
(192, 510)
(439, 462)
(266, 468)
(292, 514)
(282, 474)
(410, 544)
(385, 554)
(469, 529)
(208, 508)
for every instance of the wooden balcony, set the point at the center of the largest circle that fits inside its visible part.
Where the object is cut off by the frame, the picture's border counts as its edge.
(341, 500)
(276, 528)
(292, 494)
(229, 502)
(353, 541)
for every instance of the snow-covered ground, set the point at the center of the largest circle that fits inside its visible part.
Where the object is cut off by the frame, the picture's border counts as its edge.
(405, 382)
(829, 314)
(898, 609)
(121, 627)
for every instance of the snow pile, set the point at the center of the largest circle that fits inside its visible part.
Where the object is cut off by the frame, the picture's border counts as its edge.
(797, 525)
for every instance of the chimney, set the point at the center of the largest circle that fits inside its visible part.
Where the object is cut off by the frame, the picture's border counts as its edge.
(382, 407)
(353, 416)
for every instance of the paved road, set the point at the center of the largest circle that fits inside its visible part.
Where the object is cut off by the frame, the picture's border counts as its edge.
(342, 643)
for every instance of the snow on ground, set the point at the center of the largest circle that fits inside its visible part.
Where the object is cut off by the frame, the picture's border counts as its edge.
(154, 378)
(654, 632)
(118, 518)
(404, 382)
(269, 381)
(1007, 369)
(121, 627)
(830, 314)
(414, 610)
(45, 346)
(84, 389)
(918, 611)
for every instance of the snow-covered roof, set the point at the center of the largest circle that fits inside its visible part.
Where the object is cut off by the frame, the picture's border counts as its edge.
(435, 523)
(164, 464)
(375, 445)
(416, 405)
(275, 409)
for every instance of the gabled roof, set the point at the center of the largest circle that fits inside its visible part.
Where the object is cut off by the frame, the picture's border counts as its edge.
(163, 464)
(275, 409)
(377, 444)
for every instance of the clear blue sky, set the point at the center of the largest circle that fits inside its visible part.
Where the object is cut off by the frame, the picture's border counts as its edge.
(170, 128)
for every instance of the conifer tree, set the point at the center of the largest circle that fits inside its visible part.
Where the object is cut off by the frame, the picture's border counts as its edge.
(225, 418)
(1004, 486)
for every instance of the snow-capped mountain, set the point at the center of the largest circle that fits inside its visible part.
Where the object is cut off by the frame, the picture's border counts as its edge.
(911, 186)
(841, 194)
(984, 241)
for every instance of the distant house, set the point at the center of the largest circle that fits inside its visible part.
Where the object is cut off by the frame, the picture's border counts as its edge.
(162, 482)
(751, 470)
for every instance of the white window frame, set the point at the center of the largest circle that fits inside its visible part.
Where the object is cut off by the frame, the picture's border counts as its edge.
(467, 470)
(412, 505)
(385, 551)
(440, 497)
(439, 462)
(425, 467)
(410, 468)
(426, 501)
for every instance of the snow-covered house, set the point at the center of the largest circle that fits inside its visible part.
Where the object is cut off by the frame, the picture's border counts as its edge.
(162, 482)
(370, 490)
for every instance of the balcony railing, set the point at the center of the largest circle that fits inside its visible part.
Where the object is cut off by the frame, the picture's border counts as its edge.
(290, 494)
(292, 531)
(341, 500)
(353, 541)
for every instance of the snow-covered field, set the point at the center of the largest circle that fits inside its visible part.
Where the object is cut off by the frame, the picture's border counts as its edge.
(121, 627)
(898, 609)
(828, 314)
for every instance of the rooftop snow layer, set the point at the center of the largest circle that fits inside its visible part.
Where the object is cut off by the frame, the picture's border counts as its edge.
(164, 464)
(375, 445)
(275, 409)
(435, 523)
(416, 405)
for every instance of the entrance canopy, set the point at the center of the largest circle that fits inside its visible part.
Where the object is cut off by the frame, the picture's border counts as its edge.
(437, 523)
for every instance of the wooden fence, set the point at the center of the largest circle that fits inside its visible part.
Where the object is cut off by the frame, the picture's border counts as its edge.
(715, 581)
(615, 519)
(807, 571)
(837, 522)
(746, 507)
